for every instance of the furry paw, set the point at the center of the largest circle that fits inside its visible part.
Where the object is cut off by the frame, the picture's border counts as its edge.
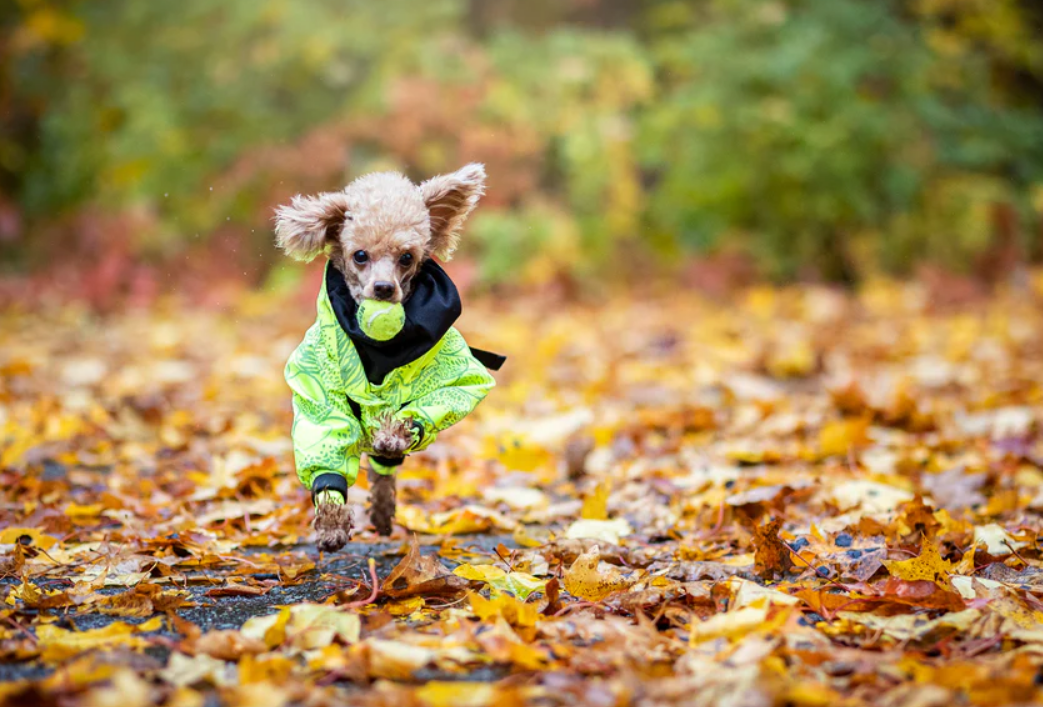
(393, 438)
(332, 526)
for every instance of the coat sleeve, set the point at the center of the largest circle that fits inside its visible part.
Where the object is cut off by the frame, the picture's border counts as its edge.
(326, 434)
(447, 392)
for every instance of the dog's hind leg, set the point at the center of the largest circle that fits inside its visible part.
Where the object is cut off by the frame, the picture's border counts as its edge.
(382, 501)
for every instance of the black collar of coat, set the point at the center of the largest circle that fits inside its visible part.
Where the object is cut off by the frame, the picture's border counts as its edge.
(431, 309)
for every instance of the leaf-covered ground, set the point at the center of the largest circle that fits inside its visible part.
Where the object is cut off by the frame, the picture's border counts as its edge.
(798, 497)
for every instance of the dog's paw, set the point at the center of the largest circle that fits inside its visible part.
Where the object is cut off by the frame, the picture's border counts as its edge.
(393, 438)
(333, 524)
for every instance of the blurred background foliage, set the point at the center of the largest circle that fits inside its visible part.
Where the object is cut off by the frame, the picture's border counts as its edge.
(827, 139)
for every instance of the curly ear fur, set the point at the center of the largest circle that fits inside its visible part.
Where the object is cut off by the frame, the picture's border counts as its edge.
(450, 198)
(303, 228)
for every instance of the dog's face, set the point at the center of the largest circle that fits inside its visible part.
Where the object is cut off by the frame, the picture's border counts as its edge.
(381, 227)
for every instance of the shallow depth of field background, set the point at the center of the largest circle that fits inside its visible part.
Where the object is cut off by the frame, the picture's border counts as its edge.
(709, 143)
(770, 431)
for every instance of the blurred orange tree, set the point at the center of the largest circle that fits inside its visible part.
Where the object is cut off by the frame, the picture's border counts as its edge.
(827, 137)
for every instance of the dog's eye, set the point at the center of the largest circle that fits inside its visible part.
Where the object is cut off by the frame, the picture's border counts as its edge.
(405, 260)
(360, 257)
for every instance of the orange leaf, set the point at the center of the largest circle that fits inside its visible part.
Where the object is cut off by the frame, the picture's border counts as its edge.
(771, 556)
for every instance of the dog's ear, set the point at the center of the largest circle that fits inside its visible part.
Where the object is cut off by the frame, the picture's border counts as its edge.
(303, 228)
(449, 199)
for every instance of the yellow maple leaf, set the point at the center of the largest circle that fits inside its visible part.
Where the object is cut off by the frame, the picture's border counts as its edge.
(733, 625)
(83, 670)
(458, 694)
(518, 454)
(585, 581)
(524, 538)
(405, 607)
(58, 643)
(10, 536)
(838, 437)
(458, 521)
(256, 672)
(929, 566)
(595, 505)
(514, 611)
(811, 694)
(91, 510)
(520, 584)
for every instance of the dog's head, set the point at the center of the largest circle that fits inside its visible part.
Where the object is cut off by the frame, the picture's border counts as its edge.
(381, 227)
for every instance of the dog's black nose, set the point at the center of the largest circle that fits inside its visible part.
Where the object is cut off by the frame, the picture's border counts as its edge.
(383, 290)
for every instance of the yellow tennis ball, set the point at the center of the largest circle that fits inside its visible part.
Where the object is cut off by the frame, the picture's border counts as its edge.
(381, 320)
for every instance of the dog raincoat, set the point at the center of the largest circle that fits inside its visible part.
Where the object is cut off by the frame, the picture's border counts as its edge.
(343, 382)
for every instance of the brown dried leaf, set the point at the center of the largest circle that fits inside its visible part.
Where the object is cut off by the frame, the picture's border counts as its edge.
(771, 556)
(421, 575)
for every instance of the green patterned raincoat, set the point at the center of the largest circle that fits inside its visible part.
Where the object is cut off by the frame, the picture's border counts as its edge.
(336, 408)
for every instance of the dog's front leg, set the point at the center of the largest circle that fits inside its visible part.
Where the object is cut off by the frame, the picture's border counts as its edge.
(333, 521)
(391, 440)
(393, 437)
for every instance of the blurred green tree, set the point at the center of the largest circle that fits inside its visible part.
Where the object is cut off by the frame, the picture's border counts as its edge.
(825, 137)
(815, 133)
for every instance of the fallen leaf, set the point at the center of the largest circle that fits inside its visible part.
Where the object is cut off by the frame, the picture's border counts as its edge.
(304, 627)
(455, 694)
(738, 623)
(421, 575)
(519, 584)
(746, 593)
(585, 580)
(513, 611)
(395, 660)
(27, 536)
(907, 627)
(917, 516)
(869, 497)
(233, 589)
(227, 645)
(58, 644)
(609, 531)
(841, 437)
(185, 671)
(929, 566)
(595, 505)
(460, 521)
(771, 556)
(123, 689)
(997, 541)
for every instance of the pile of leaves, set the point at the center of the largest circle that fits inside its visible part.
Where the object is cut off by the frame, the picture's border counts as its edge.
(796, 497)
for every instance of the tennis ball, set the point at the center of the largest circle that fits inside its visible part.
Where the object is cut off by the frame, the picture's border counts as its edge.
(381, 320)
